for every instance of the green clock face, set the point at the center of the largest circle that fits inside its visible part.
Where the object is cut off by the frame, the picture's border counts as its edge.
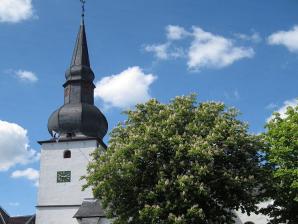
(63, 176)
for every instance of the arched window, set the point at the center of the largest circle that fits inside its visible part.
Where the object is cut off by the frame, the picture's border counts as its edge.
(67, 154)
(249, 223)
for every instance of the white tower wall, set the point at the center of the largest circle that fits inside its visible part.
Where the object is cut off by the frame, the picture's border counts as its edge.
(58, 202)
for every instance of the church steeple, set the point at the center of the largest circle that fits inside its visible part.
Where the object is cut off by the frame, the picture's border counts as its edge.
(80, 62)
(81, 55)
(78, 117)
(77, 128)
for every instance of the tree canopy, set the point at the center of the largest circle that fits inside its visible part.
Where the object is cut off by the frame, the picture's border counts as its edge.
(282, 157)
(178, 163)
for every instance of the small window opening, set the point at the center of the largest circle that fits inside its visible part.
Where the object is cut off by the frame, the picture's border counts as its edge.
(67, 154)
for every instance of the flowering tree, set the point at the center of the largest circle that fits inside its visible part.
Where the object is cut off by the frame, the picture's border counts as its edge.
(181, 163)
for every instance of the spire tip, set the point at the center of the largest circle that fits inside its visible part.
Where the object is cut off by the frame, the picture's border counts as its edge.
(83, 2)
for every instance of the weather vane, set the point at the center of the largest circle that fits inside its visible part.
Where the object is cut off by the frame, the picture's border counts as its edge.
(83, 8)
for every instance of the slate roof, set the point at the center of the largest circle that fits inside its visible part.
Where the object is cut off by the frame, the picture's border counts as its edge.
(79, 117)
(90, 208)
(6, 219)
(22, 220)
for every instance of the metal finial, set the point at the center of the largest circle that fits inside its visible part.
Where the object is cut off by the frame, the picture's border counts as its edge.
(83, 9)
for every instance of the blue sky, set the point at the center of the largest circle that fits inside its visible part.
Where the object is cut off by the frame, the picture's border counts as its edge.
(241, 52)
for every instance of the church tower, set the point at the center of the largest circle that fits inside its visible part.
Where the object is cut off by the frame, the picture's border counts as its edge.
(77, 129)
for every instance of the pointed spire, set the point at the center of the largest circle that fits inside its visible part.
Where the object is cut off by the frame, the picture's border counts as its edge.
(80, 64)
(83, 10)
(80, 54)
(79, 117)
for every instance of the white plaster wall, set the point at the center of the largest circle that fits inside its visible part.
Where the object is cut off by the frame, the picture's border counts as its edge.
(89, 221)
(52, 193)
(62, 215)
(257, 219)
(237, 220)
(105, 221)
(95, 221)
(68, 195)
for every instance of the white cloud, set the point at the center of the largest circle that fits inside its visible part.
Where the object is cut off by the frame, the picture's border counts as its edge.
(29, 174)
(212, 51)
(26, 76)
(160, 50)
(282, 110)
(255, 37)
(14, 11)
(165, 51)
(14, 146)
(206, 50)
(125, 89)
(176, 32)
(289, 39)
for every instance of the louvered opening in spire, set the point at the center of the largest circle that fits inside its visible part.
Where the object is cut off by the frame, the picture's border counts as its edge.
(80, 54)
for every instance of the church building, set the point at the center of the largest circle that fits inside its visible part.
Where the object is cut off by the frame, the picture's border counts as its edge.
(77, 128)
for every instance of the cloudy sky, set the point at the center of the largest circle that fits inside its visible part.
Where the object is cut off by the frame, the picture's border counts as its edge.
(244, 53)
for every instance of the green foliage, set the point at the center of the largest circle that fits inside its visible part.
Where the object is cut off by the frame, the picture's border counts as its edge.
(178, 163)
(282, 156)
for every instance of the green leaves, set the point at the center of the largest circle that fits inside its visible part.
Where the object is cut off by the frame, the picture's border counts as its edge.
(180, 162)
(282, 157)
